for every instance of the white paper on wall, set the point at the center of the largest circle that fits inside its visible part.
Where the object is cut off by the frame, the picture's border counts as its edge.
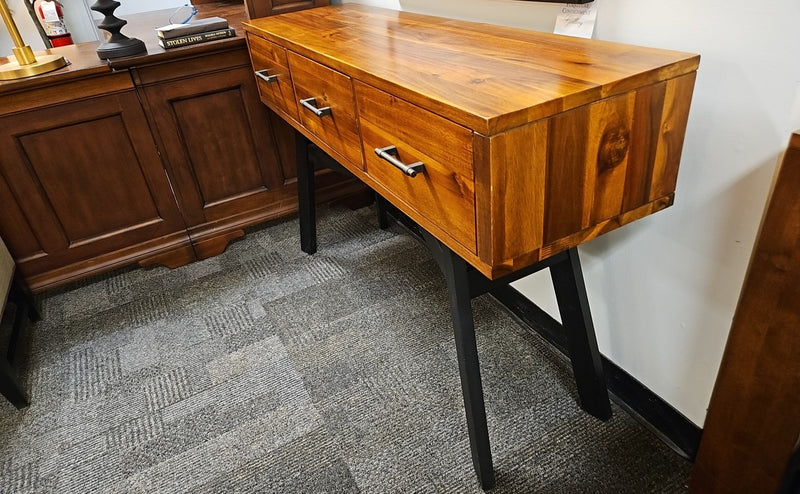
(576, 19)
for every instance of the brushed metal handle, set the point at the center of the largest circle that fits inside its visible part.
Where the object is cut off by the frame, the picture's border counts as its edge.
(389, 152)
(311, 105)
(263, 74)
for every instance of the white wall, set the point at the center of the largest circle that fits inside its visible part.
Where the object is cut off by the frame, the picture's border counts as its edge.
(25, 26)
(663, 290)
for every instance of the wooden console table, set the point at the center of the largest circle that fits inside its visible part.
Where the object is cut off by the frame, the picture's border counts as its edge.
(509, 148)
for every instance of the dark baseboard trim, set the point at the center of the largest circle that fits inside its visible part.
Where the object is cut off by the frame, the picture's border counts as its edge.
(670, 425)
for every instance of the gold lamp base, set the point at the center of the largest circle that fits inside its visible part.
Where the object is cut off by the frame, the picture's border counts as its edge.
(44, 63)
(25, 63)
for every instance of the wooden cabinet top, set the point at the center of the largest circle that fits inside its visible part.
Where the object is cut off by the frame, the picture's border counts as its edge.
(84, 63)
(485, 77)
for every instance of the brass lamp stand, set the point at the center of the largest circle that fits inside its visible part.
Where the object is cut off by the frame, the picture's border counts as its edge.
(26, 64)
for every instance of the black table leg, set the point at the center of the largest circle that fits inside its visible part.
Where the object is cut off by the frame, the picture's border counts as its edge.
(383, 215)
(463, 284)
(305, 195)
(455, 271)
(576, 318)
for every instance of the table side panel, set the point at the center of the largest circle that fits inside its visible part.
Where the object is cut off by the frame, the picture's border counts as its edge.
(674, 118)
(561, 181)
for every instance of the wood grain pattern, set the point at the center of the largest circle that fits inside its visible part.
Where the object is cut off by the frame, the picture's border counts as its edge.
(271, 57)
(17, 233)
(50, 94)
(445, 191)
(460, 70)
(515, 198)
(672, 132)
(587, 164)
(262, 8)
(565, 189)
(570, 138)
(65, 190)
(216, 170)
(753, 423)
(330, 89)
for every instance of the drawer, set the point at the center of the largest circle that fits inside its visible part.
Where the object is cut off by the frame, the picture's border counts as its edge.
(444, 191)
(332, 92)
(272, 75)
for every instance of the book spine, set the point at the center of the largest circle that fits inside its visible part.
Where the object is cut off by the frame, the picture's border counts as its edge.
(203, 25)
(197, 38)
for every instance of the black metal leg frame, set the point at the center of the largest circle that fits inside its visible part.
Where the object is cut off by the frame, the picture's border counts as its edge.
(464, 283)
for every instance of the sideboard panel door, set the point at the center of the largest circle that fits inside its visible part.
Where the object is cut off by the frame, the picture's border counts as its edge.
(88, 179)
(219, 149)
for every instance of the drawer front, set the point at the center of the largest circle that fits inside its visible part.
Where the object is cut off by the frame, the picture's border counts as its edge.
(272, 75)
(444, 191)
(332, 93)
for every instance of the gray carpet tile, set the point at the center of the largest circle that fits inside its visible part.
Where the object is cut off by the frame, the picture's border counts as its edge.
(268, 370)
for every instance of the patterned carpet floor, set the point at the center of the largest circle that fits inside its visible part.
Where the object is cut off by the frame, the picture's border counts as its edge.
(268, 370)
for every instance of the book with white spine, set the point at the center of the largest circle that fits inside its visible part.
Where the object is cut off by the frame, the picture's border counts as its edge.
(199, 26)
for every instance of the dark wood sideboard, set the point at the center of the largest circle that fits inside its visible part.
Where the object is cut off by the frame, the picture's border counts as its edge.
(162, 157)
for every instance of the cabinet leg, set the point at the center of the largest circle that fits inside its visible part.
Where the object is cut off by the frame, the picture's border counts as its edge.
(305, 196)
(455, 271)
(576, 318)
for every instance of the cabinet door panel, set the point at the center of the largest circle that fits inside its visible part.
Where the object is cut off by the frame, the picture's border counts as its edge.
(88, 180)
(14, 228)
(211, 142)
(218, 146)
(64, 187)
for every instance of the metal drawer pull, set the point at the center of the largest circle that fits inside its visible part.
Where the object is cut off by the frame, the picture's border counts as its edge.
(311, 104)
(389, 152)
(262, 74)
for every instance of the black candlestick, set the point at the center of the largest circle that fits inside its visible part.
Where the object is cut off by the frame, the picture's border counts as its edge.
(118, 45)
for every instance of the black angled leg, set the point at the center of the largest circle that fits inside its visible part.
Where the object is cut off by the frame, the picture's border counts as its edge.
(455, 271)
(305, 196)
(581, 341)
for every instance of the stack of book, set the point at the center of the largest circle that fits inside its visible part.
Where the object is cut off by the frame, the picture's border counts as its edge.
(199, 31)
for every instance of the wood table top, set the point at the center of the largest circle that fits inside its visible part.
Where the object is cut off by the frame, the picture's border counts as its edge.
(488, 78)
